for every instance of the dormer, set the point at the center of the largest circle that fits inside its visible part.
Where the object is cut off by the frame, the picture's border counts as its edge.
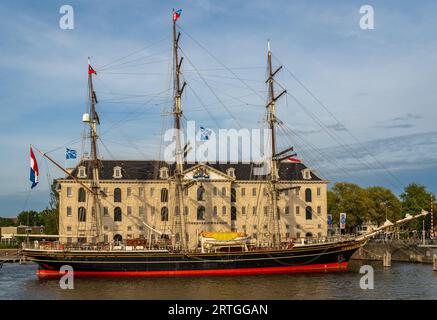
(117, 173)
(231, 172)
(81, 172)
(163, 173)
(306, 174)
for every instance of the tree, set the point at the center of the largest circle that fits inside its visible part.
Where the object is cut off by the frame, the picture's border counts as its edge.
(29, 218)
(384, 201)
(415, 198)
(50, 220)
(351, 199)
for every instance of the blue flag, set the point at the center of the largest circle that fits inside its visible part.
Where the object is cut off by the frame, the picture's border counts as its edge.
(70, 154)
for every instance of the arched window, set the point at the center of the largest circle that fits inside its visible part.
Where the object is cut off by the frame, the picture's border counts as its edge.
(201, 213)
(201, 193)
(164, 213)
(309, 213)
(233, 195)
(117, 195)
(117, 214)
(308, 195)
(164, 195)
(309, 235)
(81, 195)
(81, 214)
(233, 213)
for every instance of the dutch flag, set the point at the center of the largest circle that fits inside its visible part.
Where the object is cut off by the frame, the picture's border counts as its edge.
(34, 172)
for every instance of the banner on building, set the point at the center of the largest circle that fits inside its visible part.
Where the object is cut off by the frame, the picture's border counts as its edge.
(329, 221)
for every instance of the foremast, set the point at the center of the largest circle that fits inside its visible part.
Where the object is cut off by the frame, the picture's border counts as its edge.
(272, 120)
(93, 122)
(177, 114)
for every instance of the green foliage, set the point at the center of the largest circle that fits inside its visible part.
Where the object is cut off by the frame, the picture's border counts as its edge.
(29, 218)
(374, 204)
(6, 222)
(415, 198)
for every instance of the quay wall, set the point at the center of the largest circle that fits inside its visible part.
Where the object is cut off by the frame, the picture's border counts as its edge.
(400, 250)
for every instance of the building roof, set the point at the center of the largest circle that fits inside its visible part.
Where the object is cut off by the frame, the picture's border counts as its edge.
(149, 170)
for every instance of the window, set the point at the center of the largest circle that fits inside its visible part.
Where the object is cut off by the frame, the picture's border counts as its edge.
(81, 172)
(129, 192)
(287, 226)
(141, 211)
(69, 193)
(81, 195)
(152, 191)
(309, 213)
(117, 173)
(93, 211)
(254, 211)
(287, 210)
(117, 195)
(214, 211)
(164, 213)
(265, 192)
(105, 211)
(265, 227)
(255, 236)
(141, 228)
(201, 213)
(141, 192)
(319, 192)
(297, 226)
(81, 214)
(319, 210)
(297, 234)
(319, 226)
(231, 172)
(176, 210)
(243, 210)
(68, 228)
(233, 213)
(224, 210)
(186, 211)
(266, 211)
(243, 192)
(308, 195)
(297, 210)
(254, 192)
(129, 210)
(129, 228)
(214, 191)
(117, 214)
(163, 173)
(68, 211)
(233, 195)
(306, 174)
(164, 195)
(287, 235)
(201, 193)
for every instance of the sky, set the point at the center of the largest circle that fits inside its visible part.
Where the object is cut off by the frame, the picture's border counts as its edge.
(360, 104)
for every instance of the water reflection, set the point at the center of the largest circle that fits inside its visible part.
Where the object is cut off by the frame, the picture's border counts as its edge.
(402, 281)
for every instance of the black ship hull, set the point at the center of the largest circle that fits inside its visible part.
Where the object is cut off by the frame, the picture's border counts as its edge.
(308, 258)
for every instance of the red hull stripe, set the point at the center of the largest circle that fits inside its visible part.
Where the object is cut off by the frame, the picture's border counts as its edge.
(243, 271)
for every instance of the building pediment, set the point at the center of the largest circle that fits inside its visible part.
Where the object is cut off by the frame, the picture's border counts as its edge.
(205, 172)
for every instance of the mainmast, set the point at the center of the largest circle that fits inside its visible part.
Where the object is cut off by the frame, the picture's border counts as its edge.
(93, 121)
(177, 114)
(271, 119)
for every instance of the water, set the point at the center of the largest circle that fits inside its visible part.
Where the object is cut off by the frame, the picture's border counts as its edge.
(402, 281)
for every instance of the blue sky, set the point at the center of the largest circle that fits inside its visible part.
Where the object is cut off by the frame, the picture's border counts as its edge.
(379, 84)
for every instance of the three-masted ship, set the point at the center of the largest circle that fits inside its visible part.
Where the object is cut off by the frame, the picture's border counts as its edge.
(216, 253)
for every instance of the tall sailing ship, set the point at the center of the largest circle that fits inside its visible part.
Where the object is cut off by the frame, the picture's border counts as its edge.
(207, 243)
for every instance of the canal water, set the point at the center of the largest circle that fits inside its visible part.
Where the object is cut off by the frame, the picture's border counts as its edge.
(401, 281)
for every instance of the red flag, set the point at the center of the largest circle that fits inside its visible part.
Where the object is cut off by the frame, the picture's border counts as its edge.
(91, 70)
(177, 14)
(294, 160)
